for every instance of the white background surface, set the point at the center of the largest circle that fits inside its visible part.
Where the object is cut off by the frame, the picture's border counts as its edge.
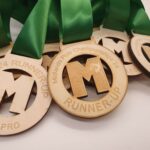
(127, 128)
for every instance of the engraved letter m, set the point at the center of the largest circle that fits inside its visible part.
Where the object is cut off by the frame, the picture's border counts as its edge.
(21, 88)
(93, 68)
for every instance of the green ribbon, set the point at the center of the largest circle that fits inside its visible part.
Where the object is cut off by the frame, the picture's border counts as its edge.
(98, 8)
(4, 31)
(76, 20)
(53, 22)
(25, 6)
(18, 9)
(117, 14)
(139, 21)
(6, 8)
(22, 9)
(31, 39)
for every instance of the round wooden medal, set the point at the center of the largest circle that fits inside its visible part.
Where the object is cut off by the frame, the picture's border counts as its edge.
(50, 50)
(117, 42)
(77, 72)
(23, 112)
(49, 53)
(140, 50)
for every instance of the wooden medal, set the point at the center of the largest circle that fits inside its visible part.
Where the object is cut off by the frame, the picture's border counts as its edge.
(140, 50)
(50, 50)
(117, 42)
(49, 53)
(92, 68)
(23, 112)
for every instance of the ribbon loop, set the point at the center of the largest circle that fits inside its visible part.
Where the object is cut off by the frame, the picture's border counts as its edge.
(117, 14)
(139, 21)
(4, 31)
(22, 9)
(31, 39)
(98, 7)
(76, 20)
(53, 22)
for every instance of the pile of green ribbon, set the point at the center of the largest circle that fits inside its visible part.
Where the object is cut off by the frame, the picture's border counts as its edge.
(67, 20)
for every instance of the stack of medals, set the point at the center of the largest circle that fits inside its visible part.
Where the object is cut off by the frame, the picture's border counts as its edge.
(75, 60)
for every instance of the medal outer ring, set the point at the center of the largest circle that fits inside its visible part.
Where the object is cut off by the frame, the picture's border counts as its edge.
(42, 102)
(131, 69)
(135, 48)
(60, 94)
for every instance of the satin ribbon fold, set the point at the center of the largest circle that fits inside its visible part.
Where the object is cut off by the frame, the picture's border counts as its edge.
(99, 9)
(139, 21)
(76, 20)
(4, 31)
(30, 42)
(117, 14)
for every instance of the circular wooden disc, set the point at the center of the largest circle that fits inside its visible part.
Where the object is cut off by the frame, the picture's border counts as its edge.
(102, 106)
(24, 118)
(50, 49)
(140, 50)
(117, 42)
